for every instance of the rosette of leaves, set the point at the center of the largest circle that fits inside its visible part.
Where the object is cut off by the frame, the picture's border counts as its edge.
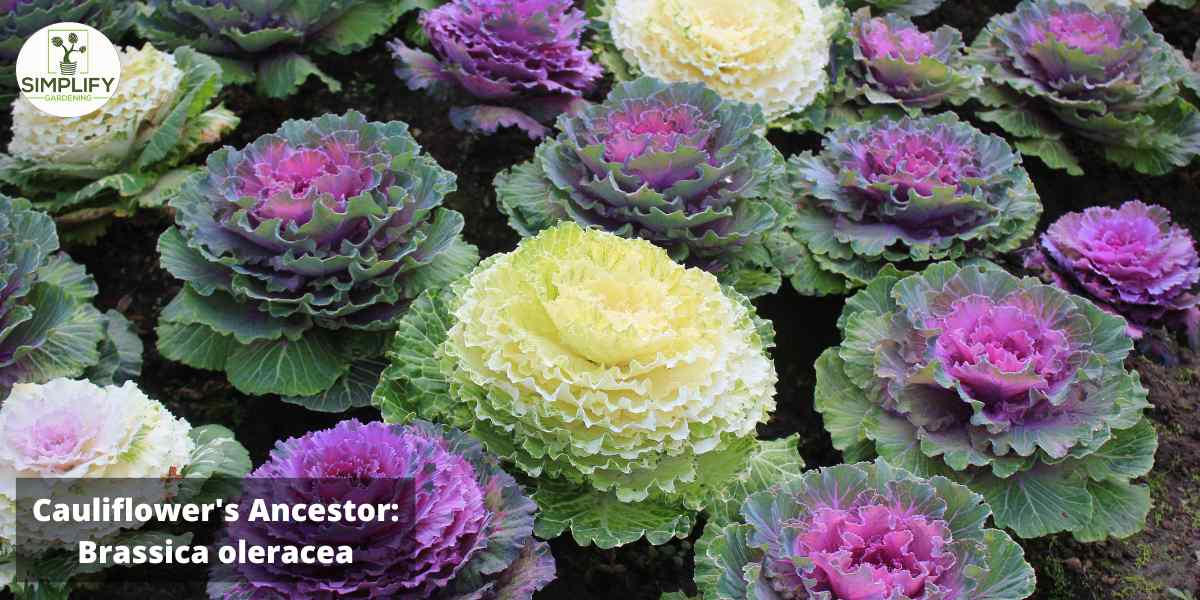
(269, 42)
(776, 54)
(905, 192)
(1132, 261)
(896, 64)
(1104, 75)
(298, 253)
(866, 530)
(903, 8)
(670, 163)
(20, 19)
(127, 155)
(462, 526)
(511, 63)
(623, 386)
(1015, 388)
(75, 441)
(48, 326)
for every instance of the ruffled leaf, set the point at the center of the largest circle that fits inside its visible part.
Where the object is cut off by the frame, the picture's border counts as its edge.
(600, 519)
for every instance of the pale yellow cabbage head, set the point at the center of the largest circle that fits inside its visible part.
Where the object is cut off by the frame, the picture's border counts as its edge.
(773, 53)
(104, 138)
(597, 358)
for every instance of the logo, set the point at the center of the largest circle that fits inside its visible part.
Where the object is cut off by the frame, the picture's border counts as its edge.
(68, 70)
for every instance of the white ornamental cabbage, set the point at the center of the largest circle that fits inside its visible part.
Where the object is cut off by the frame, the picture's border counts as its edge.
(76, 429)
(773, 53)
(73, 429)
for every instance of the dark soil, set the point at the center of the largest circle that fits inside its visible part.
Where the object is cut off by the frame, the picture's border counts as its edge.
(1166, 555)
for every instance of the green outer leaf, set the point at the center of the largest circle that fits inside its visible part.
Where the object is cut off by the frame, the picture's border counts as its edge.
(120, 353)
(455, 261)
(235, 72)
(281, 76)
(226, 315)
(415, 384)
(201, 83)
(1054, 153)
(1036, 502)
(216, 464)
(1129, 454)
(358, 27)
(303, 367)
(526, 197)
(352, 390)
(1119, 510)
(725, 564)
(846, 409)
(194, 345)
(771, 462)
(599, 518)
(1005, 575)
(70, 331)
(187, 264)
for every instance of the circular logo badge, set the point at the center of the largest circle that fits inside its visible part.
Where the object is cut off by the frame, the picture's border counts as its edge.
(68, 69)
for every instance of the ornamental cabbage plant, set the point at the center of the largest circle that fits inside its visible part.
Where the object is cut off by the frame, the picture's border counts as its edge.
(624, 385)
(269, 43)
(773, 53)
(895, 63)
(128, 154)
(904, 192)
(48, 326)
(299, 251)
(670, 163)
(1131, 260)
(68, 435)
(1103, 75)
(862, 531)
(464, 527)
(502, 62)
(1014, 388)
(20, 19)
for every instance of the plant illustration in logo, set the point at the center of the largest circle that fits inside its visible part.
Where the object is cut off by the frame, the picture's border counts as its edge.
(67, 66)
(20, 19)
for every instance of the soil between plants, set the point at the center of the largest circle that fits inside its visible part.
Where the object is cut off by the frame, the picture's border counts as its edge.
(1148, 565)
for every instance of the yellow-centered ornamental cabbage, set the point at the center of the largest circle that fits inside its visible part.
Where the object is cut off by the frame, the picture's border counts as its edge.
(773, 53)
(591, 360)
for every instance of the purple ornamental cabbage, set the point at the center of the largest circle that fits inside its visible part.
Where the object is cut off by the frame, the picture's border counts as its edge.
(674, 164)
(298, 253)
(897, 63)
(513, 62)
(1131, 261)
(906, 192)
(48, 326)
(865, 531)
(1103, 74)
(268, 41)
(1011, 387)
(464, 530)
(20, 19)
